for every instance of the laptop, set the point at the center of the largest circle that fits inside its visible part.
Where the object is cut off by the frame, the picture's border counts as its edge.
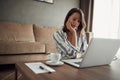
(99, 52)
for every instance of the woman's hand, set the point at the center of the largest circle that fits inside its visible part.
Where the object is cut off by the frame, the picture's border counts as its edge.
(70, 27)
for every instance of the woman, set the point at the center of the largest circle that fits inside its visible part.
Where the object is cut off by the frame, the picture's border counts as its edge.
(71, 40)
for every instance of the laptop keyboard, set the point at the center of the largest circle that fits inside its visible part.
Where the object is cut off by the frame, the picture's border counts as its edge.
(77, 63)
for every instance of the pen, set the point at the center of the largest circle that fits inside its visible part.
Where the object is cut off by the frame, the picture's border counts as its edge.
(45, 69)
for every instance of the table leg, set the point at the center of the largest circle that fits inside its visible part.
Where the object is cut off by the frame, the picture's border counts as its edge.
(16, 73)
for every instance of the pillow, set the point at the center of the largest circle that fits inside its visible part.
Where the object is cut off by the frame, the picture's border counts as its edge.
(45, 35)
(10, 31)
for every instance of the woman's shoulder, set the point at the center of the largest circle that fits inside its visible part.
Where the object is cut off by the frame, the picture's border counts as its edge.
(83, 32)
(60, 32)
(59, 35)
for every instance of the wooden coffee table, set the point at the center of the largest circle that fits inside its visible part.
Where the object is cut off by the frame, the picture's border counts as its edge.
(67, 72)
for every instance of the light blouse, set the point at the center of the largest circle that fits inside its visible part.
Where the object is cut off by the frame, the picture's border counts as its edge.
(66, 49)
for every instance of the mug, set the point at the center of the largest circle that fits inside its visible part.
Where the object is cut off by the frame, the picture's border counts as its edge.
(55, 57)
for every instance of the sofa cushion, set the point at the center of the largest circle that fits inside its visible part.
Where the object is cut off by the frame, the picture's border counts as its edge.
(16, 32)
(12, 59)
(45, 35)
(12, 47)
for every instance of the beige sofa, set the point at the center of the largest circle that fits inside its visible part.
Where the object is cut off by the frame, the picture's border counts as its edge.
(26, 42)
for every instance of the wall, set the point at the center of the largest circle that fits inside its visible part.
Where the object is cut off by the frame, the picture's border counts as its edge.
(31, 11)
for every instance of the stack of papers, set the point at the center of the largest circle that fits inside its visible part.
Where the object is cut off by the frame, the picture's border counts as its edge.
(39, 67)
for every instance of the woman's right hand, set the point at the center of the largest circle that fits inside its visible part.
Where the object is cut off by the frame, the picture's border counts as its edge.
(69, 26)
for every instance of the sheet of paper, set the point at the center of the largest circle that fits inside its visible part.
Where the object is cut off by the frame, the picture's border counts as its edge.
(35, 67)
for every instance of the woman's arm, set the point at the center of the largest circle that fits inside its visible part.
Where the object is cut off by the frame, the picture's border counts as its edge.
(74, 39)
(72, 33)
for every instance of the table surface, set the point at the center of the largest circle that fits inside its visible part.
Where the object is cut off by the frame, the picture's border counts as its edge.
(67, 72)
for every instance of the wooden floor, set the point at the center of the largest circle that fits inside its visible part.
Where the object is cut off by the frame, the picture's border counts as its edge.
(7, 72)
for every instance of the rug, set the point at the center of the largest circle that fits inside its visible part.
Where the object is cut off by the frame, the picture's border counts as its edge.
(7, 72)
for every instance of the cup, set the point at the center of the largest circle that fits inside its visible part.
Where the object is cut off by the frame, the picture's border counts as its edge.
(55, 57)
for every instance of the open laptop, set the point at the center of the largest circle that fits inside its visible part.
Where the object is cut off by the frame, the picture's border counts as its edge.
(100, 52)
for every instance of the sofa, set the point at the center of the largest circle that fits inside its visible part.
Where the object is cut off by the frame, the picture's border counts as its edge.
(26, 42)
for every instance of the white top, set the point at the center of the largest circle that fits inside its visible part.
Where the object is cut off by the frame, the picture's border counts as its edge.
(66, 48)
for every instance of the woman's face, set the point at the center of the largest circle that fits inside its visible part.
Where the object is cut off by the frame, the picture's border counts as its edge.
(75, 20)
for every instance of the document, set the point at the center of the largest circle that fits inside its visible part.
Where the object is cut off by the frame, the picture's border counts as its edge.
(39, 67)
